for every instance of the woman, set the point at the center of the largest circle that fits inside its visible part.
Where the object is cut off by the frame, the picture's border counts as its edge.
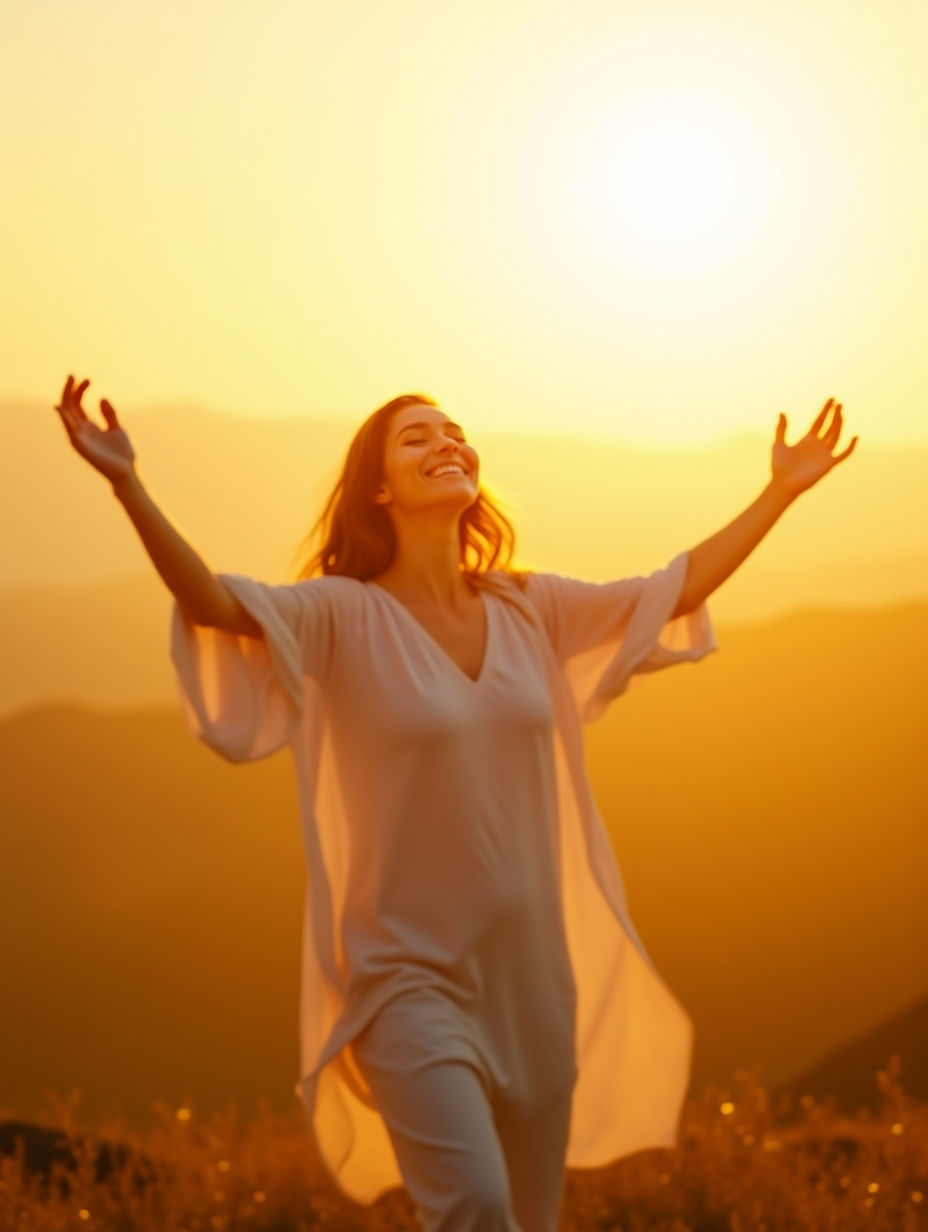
(477, 1008)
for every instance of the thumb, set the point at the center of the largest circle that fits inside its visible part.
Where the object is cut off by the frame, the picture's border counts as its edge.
(781, 429)
(108, 413)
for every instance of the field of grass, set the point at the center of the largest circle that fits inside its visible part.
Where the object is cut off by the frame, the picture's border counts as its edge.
(742, 1165)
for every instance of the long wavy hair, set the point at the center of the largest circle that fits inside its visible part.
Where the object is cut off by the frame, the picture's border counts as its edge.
(354, 536)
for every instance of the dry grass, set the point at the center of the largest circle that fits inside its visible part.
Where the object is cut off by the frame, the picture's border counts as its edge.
(742, 1166)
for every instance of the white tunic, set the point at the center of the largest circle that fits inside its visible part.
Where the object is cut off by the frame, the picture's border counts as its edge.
(452, 841)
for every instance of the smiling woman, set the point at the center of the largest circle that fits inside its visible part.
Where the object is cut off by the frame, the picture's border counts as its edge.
(477, 1007)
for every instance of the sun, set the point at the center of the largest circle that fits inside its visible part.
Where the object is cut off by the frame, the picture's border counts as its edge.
(672, 180)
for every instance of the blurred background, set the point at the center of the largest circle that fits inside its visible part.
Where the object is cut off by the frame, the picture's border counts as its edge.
(613, 241)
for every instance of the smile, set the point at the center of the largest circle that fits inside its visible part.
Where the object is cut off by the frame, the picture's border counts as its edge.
(446, 468)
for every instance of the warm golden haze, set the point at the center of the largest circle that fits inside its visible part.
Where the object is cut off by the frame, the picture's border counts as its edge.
(657, 269)
(652, 221)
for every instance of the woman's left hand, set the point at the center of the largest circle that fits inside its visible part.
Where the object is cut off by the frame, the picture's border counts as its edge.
(797, 467)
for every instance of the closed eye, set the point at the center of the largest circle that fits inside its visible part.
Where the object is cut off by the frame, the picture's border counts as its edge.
(420, 440)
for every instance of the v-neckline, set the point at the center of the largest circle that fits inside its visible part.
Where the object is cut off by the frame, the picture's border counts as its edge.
(487, 622)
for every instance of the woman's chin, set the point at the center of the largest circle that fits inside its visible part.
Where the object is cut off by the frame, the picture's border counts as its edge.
(447, 487)
(455, 500)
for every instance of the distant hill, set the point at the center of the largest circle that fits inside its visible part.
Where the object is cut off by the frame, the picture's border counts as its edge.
(768, 808)
(150, 915)
(848, 1073)
(247, 492)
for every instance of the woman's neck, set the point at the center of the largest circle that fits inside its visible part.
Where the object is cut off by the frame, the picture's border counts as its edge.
(426, 570)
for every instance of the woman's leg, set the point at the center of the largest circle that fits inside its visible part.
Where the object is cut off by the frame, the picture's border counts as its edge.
(534, 1142)
(434, 1103)
(472, 1161)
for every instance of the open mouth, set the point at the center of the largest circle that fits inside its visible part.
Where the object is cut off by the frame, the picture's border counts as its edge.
(446, 468)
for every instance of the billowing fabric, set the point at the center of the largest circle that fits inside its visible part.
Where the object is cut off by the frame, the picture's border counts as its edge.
(453, 846)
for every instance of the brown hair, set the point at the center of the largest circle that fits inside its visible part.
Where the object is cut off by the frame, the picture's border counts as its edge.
(357, 537)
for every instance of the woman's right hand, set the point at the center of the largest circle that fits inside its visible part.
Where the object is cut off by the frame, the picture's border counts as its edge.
(108, 449)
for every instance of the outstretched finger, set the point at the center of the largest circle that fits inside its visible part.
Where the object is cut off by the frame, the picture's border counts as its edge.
(845, 453)
(820, 418)
(834, 428)
(76, 399)
(781, 429)
(66, 392)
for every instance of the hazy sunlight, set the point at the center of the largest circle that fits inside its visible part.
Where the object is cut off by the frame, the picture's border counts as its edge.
(672, 180)
(660, 223)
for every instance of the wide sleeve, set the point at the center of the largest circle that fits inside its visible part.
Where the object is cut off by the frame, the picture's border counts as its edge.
(244, 696)
(607, 634)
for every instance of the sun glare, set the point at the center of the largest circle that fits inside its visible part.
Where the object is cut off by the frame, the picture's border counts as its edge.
(672, 180)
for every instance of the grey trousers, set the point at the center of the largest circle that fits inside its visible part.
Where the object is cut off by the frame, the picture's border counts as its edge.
(471, 1160)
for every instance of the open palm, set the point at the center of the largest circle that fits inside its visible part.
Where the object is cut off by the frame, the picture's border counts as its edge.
(107, 449)
(797, 467)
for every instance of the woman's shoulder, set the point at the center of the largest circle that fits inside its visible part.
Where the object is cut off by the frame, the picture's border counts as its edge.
(331, 591)
(329, 583)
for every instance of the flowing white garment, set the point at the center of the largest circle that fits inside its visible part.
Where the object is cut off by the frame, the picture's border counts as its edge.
(452, 840)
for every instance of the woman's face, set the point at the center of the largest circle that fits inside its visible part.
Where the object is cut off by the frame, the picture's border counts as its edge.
(427, 462)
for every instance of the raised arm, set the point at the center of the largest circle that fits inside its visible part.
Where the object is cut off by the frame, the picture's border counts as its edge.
(795, 468)
(202, 595)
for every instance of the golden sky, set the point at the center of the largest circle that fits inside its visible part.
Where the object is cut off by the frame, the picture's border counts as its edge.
(657, 221)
